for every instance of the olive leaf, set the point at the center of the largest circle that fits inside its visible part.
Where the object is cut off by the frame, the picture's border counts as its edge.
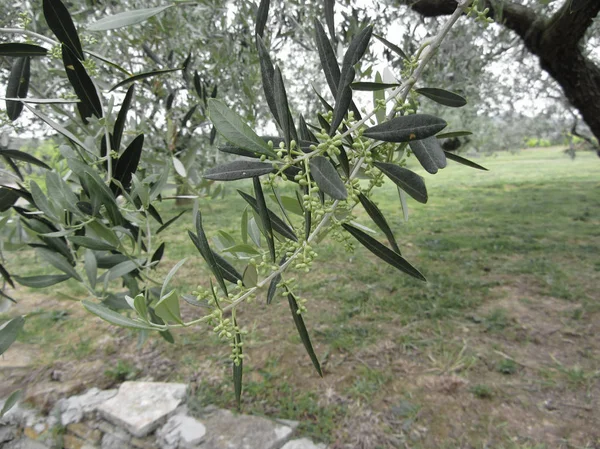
(406, 128)
(463, 161)
(327, 178)
(383, 252)
(301, 327)
(59, 21)
(429, 153)
(407, 180)
(18, 85)
(241, 169)
(443, 97)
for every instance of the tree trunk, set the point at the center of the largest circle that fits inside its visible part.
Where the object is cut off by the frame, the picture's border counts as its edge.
(554, 40)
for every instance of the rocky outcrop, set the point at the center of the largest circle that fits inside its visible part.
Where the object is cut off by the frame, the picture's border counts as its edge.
(142, 415)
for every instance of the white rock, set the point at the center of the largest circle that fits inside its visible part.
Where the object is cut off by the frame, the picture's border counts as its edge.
(181, 432)
(73, 409)
(302, 443)
(141, 407)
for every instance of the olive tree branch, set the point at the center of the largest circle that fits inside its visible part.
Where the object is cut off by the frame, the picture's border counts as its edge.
(401, 93)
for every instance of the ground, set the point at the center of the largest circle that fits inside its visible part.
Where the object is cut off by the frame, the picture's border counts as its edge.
(498, 350)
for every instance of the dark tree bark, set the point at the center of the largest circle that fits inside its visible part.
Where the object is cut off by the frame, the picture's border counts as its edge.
(554, 40)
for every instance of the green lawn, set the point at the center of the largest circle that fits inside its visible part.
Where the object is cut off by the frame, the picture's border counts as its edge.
(498, 349)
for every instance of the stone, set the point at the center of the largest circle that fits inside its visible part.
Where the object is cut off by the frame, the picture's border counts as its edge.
(302, 443)
(24, 443)
(180, 431)
(72, 442)
(224, 430)
(113, 441)
(143, 443)
(75, 408)
(85, 432)
(7, 433)
(141, 407)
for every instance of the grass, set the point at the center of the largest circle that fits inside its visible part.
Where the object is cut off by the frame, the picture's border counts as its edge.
(511, 261)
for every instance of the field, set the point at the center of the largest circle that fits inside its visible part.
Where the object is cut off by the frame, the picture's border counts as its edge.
(499, 349)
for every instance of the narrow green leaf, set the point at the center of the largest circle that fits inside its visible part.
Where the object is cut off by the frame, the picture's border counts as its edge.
(91, 267)
(391, 46)
(168, 309)
(406, 128)
(19, 49)
(442, 97)
(267, 72)
(383, 252)
(127, 163)
(126, 18)
(238, 170)
(453, 134)
(378, 218)
(327, 178)
(41, 201)
(9, 332)
(59, 20)
(329, 18)
(462, 160)
(290, 204)
(241, 248)
(228, 272)
(141, 76)
(403, 202)
(305, 133)
(59, 262)
(82, 83)
(11, 401)
(250, 277)
(279, 202)
(170, 275)
(4, 295)
(158, 254)
(8, 198)
(356, 49)
(238, 368)
(263, 212)
(371, 87)
(91, 243)
(41, 281)
(277, 223)
(22, 156)
(113, 317)
(140, 306)
(6, 276)
(188, 115)
(429, 153)
(59, 128)
(42, 100)
(14, 167)
(201, 243)
(261, 17)
(122, 118)
(170, 222)
(299, 322)
(407, 180)
(328, 59)
(119, 270)
(18, 85)
(281, 103)
(273, 284)
(232, 127)
(343, 100)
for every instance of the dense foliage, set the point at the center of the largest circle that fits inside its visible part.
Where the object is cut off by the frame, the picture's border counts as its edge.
(97, 221)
